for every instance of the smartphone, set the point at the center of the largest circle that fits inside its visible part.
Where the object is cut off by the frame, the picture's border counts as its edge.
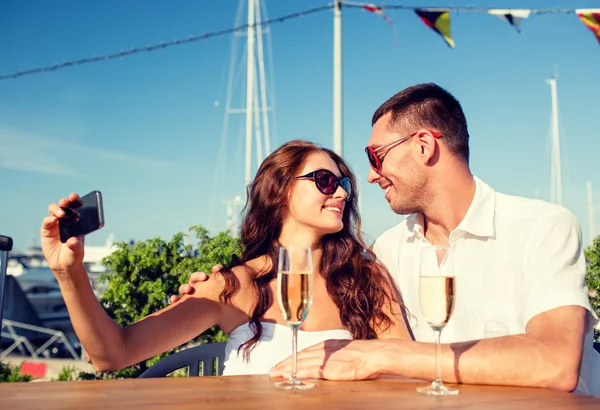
(82, 217)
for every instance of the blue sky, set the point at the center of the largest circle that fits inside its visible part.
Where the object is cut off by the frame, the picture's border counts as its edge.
(146, 131)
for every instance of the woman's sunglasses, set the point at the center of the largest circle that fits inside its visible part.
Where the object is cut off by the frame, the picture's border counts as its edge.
(327, 182)
(376, 161)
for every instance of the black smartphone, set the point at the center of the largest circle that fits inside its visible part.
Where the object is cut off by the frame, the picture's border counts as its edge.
(82, 217)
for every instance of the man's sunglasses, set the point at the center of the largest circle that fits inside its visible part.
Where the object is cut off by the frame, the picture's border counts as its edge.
(376, 161)
(327, 182)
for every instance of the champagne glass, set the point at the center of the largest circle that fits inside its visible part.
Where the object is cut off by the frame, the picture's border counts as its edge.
(437, 287)
(295, 294)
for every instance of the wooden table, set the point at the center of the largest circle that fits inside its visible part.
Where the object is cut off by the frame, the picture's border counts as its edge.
(257, 392)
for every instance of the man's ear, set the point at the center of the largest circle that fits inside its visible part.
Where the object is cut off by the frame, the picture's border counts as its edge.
(428, 146)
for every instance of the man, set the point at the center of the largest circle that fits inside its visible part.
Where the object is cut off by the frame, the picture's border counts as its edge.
(519, 265)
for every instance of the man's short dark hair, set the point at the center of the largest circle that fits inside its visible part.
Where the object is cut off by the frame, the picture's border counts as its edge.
(429, 106)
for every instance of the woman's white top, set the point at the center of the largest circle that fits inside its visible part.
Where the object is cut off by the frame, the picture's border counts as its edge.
(274, 345)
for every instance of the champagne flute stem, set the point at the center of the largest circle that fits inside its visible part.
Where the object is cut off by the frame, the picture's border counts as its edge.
(293, 376)
(438, 357)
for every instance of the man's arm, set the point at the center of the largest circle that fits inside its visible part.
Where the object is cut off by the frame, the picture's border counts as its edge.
(196, 277)
(554, 306)
(548, 355)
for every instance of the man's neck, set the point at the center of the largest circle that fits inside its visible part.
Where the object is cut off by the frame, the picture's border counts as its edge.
(452, 198)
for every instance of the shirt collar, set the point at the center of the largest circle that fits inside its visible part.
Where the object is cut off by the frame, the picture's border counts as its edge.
(415, 223)
(479, 219)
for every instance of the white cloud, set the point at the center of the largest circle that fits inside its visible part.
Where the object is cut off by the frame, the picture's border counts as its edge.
(30, 153)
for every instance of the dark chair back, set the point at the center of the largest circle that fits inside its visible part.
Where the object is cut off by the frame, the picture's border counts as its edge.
(191, 358)
(6, 244)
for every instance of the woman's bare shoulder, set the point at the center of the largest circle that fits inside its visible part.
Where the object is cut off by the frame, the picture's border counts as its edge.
(238, 282)
(248, 271)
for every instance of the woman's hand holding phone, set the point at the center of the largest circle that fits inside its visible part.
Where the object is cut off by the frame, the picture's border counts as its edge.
(61, 257)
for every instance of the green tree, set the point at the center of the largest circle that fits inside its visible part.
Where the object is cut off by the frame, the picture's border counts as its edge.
(592, 277)
(143, 276)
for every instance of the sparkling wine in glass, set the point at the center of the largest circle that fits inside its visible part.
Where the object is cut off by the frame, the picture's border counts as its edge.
(295, 294)
(437, 293)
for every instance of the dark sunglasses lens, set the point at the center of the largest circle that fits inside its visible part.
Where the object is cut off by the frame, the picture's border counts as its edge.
(326, 182)
(373, 160)
(346, 186)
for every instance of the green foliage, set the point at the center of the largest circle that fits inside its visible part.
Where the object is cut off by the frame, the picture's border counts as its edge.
(143, 277)
(130, 372)
(89, 376)
(9, 375)
(67, 374)
(592, 277)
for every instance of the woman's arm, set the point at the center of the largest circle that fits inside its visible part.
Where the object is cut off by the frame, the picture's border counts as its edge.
(112, 347)
(108, 345)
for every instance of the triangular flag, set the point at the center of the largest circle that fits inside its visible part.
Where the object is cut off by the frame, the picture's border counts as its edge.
(439, 21)
(377, 10)
(591, 18)
(513, 16)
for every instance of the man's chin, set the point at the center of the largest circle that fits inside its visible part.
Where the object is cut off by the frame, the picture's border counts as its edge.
(402, 210)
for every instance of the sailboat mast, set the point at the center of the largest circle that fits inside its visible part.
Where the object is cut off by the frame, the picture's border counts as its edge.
(592, 224)
(263, 81)
(337, 77)
(556, 176)
(250, 79)
(258, 97)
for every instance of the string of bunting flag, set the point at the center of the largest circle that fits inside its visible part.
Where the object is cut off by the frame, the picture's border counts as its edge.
(438, 18)
(162, 46)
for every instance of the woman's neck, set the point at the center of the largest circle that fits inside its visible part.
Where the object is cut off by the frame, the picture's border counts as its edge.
(295, 234)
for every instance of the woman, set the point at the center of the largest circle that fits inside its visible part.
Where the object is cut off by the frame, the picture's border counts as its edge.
(302, 195)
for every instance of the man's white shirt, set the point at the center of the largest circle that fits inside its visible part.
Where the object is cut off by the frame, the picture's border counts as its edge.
(514, 258)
